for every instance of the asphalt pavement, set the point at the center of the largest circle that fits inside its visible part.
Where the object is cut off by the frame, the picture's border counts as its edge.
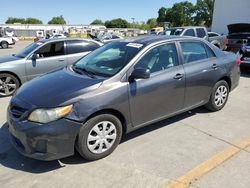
(195, 149)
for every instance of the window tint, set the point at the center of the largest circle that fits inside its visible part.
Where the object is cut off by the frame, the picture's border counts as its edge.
(200, 32)
(51, 49)
(159, 58)
(210, 52)
(189, 32)
(76, 46)
(193, 51)
(109, 59)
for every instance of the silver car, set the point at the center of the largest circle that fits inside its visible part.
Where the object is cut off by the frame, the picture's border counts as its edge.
(39, 58)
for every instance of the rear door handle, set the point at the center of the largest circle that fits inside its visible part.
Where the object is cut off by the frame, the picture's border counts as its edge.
(61, 60)
(178, 76)
(215, 66)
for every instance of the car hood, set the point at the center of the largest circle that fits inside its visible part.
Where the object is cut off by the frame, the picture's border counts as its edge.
(5, 59)
(56, 88)
(239, 28)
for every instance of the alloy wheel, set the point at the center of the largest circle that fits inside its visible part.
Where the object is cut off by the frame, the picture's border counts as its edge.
(7, 86)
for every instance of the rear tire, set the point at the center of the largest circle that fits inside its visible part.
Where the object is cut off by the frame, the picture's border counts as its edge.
(4, 44)
(99, 136)
(219, 96)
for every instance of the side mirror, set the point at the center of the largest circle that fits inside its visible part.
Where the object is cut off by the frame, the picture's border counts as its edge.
(35, 56)
(140, 73)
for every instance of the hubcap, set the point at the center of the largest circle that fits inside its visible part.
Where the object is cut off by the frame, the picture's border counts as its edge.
(220, 96)
(101, 137)
(7, 86)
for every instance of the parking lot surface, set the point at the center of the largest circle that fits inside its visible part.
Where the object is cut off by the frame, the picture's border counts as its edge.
(194, 149)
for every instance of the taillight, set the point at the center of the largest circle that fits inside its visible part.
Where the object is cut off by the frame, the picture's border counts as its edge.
(238, 61)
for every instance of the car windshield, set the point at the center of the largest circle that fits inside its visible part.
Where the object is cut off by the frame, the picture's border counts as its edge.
(174, 31)
(109, 59)
(23, 53)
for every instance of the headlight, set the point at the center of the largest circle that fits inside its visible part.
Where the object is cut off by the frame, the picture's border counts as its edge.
(48, 115)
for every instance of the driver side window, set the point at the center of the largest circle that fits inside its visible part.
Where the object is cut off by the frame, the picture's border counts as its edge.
(159, 58)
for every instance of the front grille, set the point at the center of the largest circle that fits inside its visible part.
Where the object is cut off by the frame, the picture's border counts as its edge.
(17, 111)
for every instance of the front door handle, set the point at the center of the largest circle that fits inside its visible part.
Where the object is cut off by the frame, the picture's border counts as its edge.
(178, 76)
(61, 60)
(215, 66)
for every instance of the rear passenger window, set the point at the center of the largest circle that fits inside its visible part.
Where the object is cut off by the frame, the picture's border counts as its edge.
(193, 51)
(76, 46)
(160, 58)
(189, 32)
(210, 52)
(200, 32)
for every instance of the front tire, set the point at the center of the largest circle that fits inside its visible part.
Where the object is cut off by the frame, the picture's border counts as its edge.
(8, 84)
(99, 136)
(4, 44)
(219, 96)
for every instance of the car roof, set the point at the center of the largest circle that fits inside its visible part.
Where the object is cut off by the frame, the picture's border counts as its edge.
(67, 39)
(150, 39)
(63, 39)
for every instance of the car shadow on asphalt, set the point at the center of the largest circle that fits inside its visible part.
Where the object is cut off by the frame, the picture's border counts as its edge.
(245, 74)
(10, 158)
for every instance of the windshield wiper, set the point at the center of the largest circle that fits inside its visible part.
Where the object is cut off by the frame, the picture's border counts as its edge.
(82, 70)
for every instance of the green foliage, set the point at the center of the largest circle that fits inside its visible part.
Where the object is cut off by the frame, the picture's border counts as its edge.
(161, 15)
(152, 22)
(204, 12)
(137, 25)
(117, 23)
(33, 21)
(97, 22)
(185, 13)
(12, 20)
(57, 20)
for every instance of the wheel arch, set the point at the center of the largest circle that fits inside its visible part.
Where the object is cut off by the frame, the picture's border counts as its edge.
(114, 112)
(228, 80)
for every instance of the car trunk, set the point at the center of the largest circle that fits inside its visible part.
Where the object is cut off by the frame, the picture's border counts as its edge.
(238, 34)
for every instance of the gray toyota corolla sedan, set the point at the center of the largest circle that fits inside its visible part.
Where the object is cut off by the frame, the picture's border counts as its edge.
(120, 87)
(39, 58)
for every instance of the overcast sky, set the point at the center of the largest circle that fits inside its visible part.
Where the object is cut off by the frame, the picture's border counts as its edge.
(84, 11)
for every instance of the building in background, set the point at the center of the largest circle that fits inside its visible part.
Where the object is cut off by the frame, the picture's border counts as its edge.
(229, 12)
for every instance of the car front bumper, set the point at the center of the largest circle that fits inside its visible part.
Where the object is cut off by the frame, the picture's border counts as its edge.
(51, 141)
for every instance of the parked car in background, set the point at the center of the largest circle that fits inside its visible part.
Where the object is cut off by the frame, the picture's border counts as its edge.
(118, 88)
(244, 54)
(61, 36)
(39, 58)
(5, 42)
(238, 34)
(218, 40)
(200, 32)
(105, 37)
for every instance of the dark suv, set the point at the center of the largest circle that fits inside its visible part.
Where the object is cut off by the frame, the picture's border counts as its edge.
(120, 87)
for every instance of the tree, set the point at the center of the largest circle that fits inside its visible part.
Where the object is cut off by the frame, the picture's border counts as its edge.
(97, 22)
(180, 14)
(117, 23)
(161, 15)
(33, 21)
(57, 20)
(12, 20)
(204, 12)
(152, 22)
